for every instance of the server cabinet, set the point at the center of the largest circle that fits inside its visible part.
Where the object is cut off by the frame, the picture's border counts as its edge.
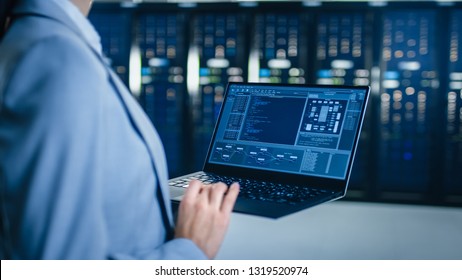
(218, 54)
(409, 94)
(453, 151)
(344, 57)
(162, 45)
(279, 52)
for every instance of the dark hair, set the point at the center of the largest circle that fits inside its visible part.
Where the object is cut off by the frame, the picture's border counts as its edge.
(6, 6)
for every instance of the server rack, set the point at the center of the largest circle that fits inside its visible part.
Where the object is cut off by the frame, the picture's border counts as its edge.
(344, 56)
(279, 52)
(218, 54)
(409, 91)
(453, 152)
(160, 37)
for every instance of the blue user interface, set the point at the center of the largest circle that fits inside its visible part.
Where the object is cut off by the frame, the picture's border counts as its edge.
(300, 130)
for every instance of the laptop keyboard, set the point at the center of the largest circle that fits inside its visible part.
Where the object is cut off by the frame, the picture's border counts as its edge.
(259, 190)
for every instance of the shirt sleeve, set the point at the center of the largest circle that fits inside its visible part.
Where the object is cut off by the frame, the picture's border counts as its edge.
(176, 249)
(51, 156)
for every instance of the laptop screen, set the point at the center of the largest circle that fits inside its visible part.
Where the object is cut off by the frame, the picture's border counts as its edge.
(294, 129)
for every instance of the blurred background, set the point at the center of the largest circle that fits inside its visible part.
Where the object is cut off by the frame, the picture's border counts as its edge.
(177, 57)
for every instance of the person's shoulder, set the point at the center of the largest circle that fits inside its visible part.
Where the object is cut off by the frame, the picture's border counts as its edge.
(52, 41)
(67, 55)
(54, 50)
(58, 74)
(25, 32)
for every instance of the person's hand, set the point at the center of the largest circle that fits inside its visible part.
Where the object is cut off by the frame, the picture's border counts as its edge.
(204, 214)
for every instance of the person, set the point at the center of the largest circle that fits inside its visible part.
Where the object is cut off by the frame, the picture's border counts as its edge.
(83, 171)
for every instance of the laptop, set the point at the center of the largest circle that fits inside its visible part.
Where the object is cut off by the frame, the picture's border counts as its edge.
(290, 147)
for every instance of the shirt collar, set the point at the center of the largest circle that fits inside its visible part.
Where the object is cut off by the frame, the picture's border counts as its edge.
(82, 23)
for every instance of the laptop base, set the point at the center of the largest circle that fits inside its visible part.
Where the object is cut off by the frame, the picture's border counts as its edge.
(253, 206)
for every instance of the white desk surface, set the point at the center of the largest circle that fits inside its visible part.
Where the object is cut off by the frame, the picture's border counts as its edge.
(348, 230)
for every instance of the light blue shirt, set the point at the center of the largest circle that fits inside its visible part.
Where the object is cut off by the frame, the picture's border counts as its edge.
(80, 163)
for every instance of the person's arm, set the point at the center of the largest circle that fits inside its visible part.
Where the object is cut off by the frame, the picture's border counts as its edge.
(51, 145)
